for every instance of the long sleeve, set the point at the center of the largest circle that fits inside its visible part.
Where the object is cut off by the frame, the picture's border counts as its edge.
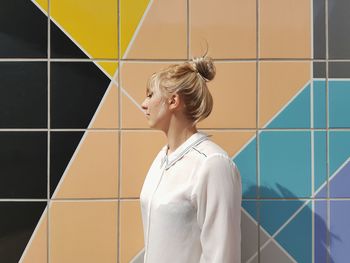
(217, 195)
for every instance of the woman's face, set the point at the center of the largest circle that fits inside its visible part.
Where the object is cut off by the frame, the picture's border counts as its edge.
(156, 109)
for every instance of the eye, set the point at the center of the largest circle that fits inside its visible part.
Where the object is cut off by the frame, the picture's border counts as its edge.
(149, 95)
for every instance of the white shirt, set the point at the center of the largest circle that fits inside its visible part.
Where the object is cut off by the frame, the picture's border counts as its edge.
(190, 204)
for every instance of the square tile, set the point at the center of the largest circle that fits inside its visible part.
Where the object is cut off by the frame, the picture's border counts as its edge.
(133, 91)
(24, 30)
(286, 230)
(138, 150)
(338, 26)
(18, 222)
(285, 28)
(92, 171)
(234, 92)
(24, 164)
(339, 230)
(285, 164)
(229, 28)
(338, 98)
(77, 90)
(83, 231)
(84, 29)
(284, 94)
(161, 31)
(23, 95)
(131, 232)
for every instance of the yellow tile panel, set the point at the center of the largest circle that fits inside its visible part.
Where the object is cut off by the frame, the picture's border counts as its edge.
(93, 173)
(91, 24)
(279, 83)
(234, 94)
(285, 28)
(83, 232)
(131, 230)
(138, 149)
(229, 27)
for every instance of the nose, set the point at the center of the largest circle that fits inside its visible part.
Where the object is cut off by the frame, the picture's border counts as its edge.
(144, 105)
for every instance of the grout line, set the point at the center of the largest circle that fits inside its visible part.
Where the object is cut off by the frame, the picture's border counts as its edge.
(119, 133)
(327, 135)
(49, 127)
(149, 129)
(257, 142)
(188, 29)
(164, 60)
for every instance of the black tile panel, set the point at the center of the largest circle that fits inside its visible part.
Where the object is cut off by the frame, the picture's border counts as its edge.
(76, 91)
(339, 69)
(23, 162)
(23, 95)
(23, 30)
(319, 69)
(319, 30)
(17, 223)
(339, 29)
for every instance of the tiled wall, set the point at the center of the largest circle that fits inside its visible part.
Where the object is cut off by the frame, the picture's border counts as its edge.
(75, 146)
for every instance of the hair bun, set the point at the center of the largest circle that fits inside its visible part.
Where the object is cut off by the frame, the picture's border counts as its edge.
(205, 67)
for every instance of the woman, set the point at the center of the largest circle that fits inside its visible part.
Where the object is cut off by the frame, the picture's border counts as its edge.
(191, 196)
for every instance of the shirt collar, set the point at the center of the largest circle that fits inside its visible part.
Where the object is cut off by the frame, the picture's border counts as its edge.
(180, 151)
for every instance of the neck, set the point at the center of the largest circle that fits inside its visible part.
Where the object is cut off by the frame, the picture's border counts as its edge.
(178, 133)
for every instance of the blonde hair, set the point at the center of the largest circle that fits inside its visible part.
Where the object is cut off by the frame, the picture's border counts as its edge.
(189, 80)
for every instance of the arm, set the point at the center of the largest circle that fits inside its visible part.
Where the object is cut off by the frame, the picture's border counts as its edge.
(217, 195)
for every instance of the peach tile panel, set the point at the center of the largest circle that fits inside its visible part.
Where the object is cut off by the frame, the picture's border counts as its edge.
(285, 28)
(138, 150)
(231, 141)
(93, 173)
(131, 230)
(106, 115)
(234, 94)
(83, 232)
(163, 32)
(36, 250)
(134, 77)
(279, 82)
(229, 27)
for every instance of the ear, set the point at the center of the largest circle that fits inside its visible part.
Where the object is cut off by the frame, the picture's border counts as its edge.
(174, 101)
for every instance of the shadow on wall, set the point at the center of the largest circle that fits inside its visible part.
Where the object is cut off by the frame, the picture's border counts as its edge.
(287, 227)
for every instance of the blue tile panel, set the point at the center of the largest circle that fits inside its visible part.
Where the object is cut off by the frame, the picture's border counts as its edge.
(339, 106)
(320, 164)
(320, 232)
(319, 103)
(339, 230)
(285, 164)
